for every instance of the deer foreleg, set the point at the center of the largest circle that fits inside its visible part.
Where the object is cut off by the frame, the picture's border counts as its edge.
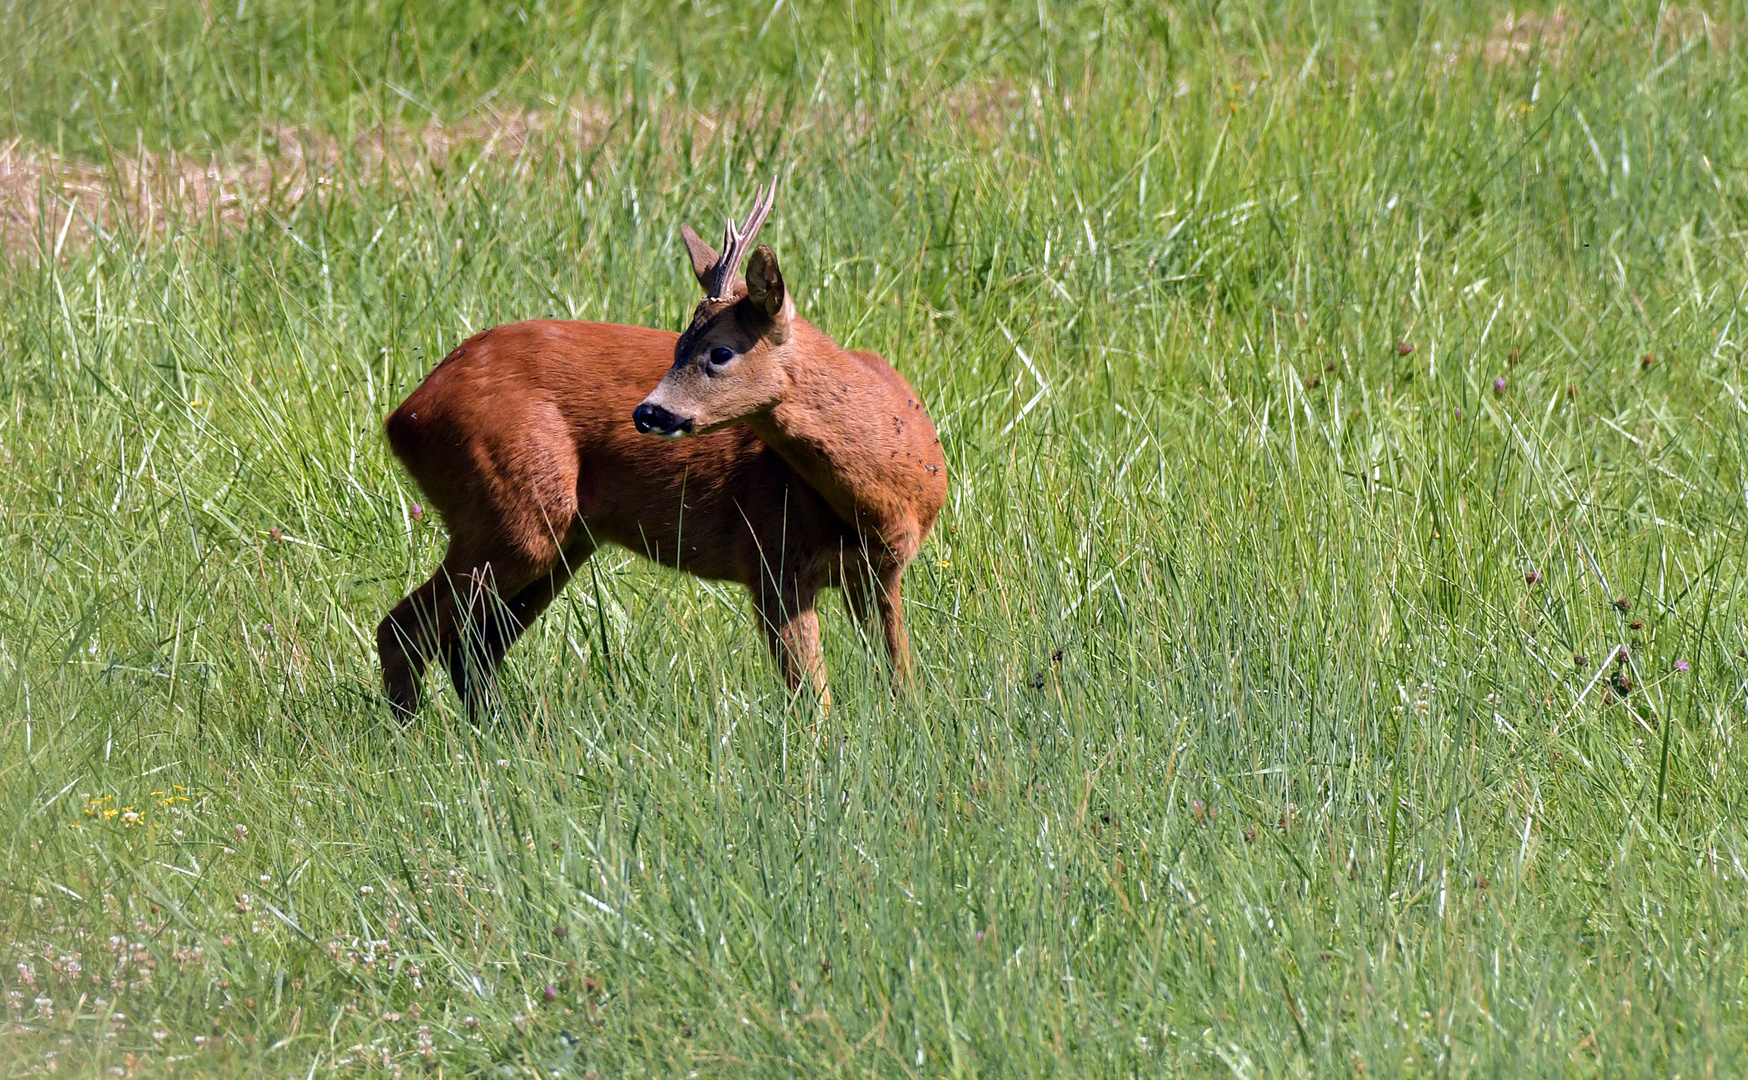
(890, 599)
(791, 622)
(859, 584)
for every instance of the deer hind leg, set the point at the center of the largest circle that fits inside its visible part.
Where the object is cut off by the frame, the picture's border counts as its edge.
(450, 616)
(790, 617)
(493, 623)
(532, 601)
(407, 638)
(475, 640)
(510, 552)
(459, 614)
(511, 557)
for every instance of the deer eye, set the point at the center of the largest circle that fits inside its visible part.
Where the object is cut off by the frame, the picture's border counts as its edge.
(721, 355)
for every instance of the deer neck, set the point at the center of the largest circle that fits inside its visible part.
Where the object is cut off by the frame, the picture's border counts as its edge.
(829, 427)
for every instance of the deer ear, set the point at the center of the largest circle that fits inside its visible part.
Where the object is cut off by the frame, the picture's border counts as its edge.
(765, 286)
(704, 257)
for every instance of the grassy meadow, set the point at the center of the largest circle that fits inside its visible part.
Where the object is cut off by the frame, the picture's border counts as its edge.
(1333, 646)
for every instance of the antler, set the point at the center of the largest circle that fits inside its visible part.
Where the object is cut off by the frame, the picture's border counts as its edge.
(737, 242)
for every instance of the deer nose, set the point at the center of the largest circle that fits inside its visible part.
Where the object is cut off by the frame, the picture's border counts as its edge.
(655, 420)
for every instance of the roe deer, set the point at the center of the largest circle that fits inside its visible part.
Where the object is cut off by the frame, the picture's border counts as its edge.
(795, 465)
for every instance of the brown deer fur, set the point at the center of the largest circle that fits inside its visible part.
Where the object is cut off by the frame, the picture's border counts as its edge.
(807, 466)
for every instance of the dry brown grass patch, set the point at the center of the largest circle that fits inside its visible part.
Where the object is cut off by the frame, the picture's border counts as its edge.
(1685, 22)
(48, 202)
(1548, 35)
(1516, 38)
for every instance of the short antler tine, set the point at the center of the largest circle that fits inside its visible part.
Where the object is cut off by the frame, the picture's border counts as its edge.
(725, 262)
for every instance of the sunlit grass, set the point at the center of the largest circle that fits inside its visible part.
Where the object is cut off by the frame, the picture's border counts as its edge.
(1329, 401)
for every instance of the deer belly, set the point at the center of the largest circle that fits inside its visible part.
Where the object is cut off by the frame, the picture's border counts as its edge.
(696, 544)
(722, 547)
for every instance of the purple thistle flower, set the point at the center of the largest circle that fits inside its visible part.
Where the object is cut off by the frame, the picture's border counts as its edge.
(1532, 577)
(418, 511)
(1681, 665)
(1459, 412)
(1499, 385)
(550, 993)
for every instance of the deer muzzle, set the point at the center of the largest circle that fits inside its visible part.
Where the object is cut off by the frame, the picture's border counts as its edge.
(652, 419)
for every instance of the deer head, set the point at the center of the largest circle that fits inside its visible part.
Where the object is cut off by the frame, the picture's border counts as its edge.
(728, 364)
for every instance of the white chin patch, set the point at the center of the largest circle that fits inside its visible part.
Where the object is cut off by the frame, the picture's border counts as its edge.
(674, 434)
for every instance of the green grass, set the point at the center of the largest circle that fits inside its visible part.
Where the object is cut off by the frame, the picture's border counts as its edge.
(1245, 743)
